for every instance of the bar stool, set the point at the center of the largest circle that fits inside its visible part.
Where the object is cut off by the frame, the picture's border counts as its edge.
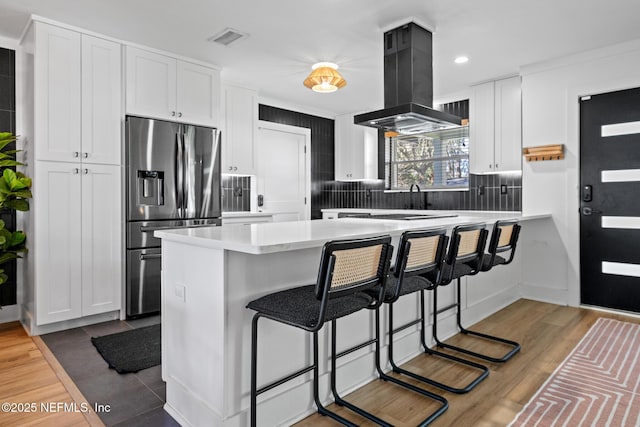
(348, 268)
(503, 238)
(419, 267)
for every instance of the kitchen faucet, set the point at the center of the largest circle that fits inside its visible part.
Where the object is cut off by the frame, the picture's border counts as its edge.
(411, 205)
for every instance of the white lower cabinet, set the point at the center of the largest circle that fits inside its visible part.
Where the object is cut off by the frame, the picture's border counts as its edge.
(77, 247)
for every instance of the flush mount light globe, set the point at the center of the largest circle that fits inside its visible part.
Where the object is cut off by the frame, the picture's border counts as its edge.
(324, 78)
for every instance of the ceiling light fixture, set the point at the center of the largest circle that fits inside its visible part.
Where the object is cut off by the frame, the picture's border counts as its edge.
(461, 60)
(324, 78)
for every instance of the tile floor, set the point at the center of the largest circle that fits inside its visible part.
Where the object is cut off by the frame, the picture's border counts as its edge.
(136, 399)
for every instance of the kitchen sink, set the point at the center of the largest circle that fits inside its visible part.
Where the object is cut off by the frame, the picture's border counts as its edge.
(398, 216)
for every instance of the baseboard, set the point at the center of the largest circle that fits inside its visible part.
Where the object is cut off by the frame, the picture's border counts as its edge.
(10, 313)
(33, 329)
(542, 294)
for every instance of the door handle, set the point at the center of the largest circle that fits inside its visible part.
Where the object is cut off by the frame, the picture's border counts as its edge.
(587, 211)
(144, 257)
(587, 193)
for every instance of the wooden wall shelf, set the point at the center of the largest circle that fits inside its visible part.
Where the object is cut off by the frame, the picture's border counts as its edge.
(544, 152)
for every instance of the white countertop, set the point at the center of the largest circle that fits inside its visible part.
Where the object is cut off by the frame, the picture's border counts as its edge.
(243, 214)
(286, 236)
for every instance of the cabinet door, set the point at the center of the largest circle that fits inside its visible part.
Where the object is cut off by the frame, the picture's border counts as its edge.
(101, 238)
(343, 149)
(481, 128)
(198, 94)
(101, 101)
(57, 242)
(508, 146)
(150, 84)
(356, 150)
(57, 94)
(240, 130)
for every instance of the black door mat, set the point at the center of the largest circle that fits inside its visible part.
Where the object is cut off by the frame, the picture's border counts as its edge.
(130, 351)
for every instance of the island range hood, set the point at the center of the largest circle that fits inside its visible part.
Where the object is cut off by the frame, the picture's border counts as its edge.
(408, 85)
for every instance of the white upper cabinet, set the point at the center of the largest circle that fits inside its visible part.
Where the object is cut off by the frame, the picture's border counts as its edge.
(240, 130)
(163, 87)
(78, 97)
(57, 93)
(198, 94)
(495, 121)
(101, 101)
(356, 150)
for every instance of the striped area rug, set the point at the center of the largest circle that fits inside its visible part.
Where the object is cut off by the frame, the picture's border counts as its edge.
(598, 384)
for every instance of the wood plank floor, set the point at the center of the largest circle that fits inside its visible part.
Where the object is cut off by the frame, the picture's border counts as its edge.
(547, 334)
(30, 374)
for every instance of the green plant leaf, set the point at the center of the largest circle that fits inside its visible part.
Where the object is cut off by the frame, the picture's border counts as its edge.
(10, 163)
(17, 238)
(3, 277)
(19, 205)
(7, 256)
(2, 224)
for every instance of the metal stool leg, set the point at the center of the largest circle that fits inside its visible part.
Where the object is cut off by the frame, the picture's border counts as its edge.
(515, 347)
(484, 371)
(444, 405)
(339, 400)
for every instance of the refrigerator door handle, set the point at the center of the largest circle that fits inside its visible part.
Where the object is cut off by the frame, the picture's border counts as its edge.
(144, 257)
(180, 175)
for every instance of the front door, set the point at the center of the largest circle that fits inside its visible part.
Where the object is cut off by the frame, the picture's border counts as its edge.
(610, 200)
(282, 170)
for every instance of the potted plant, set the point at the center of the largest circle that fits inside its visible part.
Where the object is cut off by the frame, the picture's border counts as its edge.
(15, 190)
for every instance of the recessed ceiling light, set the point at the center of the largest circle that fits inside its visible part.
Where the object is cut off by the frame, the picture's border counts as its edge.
(461, 59)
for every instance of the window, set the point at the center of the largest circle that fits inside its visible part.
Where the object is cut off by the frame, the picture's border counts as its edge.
(435, 160)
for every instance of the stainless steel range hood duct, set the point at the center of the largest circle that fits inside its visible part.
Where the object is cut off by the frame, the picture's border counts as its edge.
(408, 85)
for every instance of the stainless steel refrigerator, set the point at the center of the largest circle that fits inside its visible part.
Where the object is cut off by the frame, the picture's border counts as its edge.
(173, 181)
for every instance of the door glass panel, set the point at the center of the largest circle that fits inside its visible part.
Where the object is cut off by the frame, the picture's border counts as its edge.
(623, 175)
(621, 222)
(621, 268)
(620, 129)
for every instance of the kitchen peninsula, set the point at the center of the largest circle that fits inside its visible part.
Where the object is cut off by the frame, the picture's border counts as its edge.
(210, 274)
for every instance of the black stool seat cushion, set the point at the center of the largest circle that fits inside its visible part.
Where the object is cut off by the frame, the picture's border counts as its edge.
(487, 264)
(460, 270)
(410, 285)
(300, 306)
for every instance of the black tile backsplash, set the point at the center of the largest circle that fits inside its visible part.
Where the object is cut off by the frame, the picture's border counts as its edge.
(236, 193)
(371, 195)
(327, 193)
(8, 294)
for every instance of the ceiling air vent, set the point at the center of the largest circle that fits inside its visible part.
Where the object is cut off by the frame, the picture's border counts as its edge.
(227, 36)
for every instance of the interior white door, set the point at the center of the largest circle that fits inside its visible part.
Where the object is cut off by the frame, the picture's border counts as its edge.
(282, 170)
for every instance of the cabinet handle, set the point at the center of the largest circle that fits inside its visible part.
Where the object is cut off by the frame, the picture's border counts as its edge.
(490, 166)
(173, 113)
(76, 171)
(76, 154)
(235, 168)
(230, 168)
(496, 166)
(85, 155)
(86, 171)
(179, 114)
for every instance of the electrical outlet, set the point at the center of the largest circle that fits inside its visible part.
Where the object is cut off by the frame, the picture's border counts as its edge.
(179, 292)
(503, 189)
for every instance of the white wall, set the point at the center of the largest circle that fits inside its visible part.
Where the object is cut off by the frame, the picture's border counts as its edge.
(550, 94)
